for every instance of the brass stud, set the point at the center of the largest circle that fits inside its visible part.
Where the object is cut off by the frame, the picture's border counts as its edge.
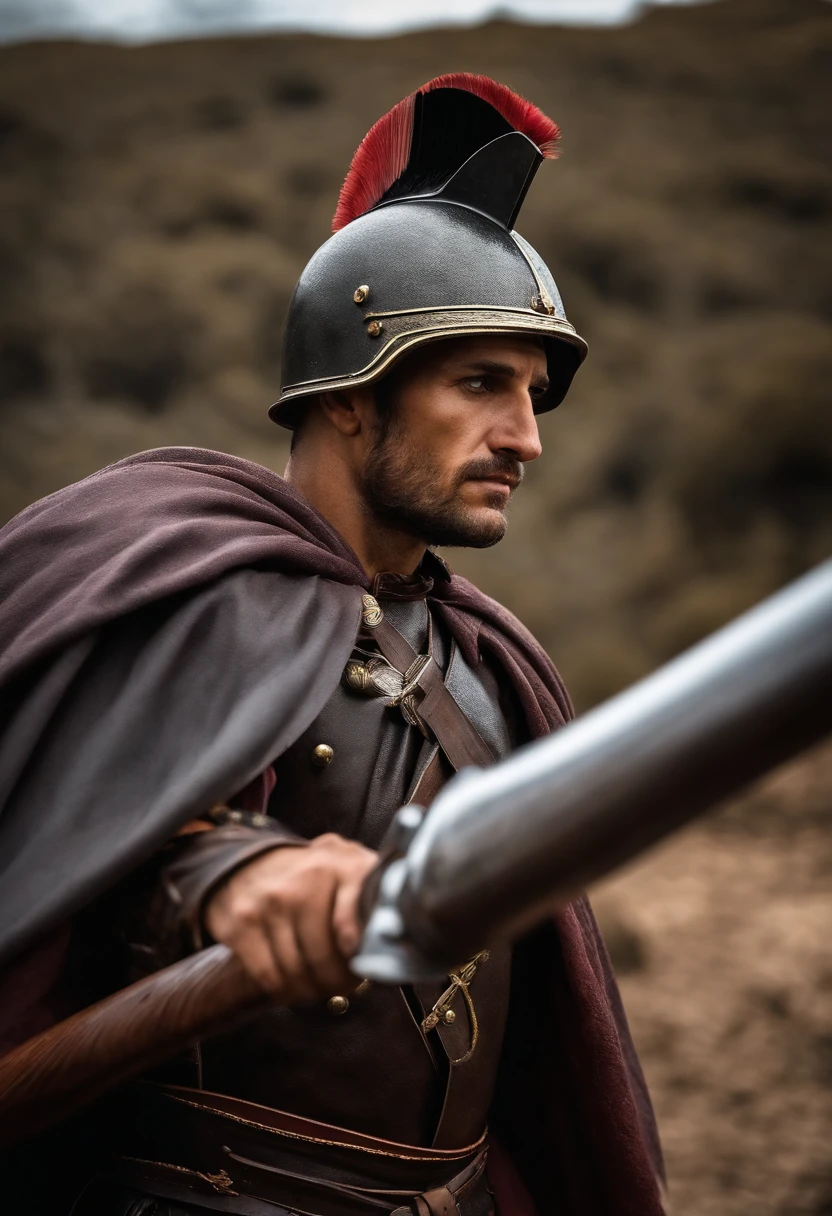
(361, 293)
(374, 328)
(337, 1005)
(322, 755)
(356, 676)
(449, 1017)
(542, 303)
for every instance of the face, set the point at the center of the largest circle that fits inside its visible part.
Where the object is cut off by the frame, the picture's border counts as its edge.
(453, 430)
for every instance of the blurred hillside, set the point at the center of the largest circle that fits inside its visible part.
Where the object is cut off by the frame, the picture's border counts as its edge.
(156, 208)
(157, 205)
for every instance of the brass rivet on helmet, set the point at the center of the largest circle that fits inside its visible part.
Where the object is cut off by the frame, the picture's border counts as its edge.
(542, 303)
(361, 293)
(374, 328)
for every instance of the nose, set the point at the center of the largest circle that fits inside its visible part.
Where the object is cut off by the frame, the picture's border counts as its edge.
(518, 430)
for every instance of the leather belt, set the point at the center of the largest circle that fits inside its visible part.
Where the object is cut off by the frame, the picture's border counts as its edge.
(227, 1155)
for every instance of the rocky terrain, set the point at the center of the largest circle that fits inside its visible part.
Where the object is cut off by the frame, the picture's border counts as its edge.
(156, 207)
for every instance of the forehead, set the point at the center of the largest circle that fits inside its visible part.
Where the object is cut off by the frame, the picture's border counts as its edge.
(520, 350)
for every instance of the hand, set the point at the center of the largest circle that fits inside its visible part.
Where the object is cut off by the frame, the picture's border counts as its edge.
(292, 917)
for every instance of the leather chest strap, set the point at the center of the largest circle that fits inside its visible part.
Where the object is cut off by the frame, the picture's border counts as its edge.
(454, 732)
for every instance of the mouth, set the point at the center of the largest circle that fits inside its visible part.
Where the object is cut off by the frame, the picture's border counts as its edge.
(497, 483)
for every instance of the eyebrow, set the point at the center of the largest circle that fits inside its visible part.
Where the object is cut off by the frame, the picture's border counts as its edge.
(492, 367)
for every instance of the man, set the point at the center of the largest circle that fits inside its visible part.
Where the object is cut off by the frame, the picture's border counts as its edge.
(222, 686)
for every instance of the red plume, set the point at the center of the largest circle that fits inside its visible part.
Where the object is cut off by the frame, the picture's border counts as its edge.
(383, 153)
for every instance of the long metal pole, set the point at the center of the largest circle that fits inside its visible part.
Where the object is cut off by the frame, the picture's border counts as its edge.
(501, 845)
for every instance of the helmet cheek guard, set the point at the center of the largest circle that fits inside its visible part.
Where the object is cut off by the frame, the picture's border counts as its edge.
(432, 254)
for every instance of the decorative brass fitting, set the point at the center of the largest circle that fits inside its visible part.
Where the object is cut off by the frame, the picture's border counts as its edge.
(361, 293)
(322, 755)
(371, 613)
(542, 303)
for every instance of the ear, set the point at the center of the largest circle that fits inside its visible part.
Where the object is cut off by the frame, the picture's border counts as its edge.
(349, 409)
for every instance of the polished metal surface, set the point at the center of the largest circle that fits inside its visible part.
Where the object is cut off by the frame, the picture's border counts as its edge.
(502, 846)
(322, 755)
(437, 269)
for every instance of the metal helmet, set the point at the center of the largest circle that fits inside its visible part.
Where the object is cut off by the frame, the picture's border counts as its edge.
(425, 247)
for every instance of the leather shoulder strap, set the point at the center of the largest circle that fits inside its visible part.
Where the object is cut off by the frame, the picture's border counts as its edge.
(431, 699)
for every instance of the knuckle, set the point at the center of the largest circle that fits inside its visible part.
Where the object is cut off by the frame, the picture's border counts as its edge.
(329, 840)
(244, 910)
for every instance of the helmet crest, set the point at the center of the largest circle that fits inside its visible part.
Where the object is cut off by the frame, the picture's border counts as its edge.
(418, 145)
(425, 246)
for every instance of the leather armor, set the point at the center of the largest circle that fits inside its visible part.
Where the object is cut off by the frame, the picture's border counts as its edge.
(413, 1066)
(372, 1068)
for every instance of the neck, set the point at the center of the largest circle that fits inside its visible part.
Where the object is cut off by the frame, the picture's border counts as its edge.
(380, 548)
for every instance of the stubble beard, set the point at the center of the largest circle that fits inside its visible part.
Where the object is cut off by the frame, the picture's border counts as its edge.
(403, 490)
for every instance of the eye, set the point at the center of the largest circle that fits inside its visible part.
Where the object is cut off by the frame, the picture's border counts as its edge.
(477, 384)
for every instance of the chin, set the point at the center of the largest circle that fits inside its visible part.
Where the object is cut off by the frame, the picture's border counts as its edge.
(479, 529)
(491, 519)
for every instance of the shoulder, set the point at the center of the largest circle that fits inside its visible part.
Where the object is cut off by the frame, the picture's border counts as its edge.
(153, 526)
(130, 496)
(463, 594)
(490, 623)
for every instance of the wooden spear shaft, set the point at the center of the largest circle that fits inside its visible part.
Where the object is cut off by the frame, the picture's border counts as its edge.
(587, 799)
(68, 1066)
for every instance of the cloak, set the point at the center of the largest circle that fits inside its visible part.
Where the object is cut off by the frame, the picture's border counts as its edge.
(170, 625)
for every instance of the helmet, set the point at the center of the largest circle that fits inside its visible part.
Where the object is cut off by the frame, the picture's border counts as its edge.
(425, 247)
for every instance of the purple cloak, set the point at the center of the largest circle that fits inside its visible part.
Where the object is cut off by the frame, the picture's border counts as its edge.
(170, 625)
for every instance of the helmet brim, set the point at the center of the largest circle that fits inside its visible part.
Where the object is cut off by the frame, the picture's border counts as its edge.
(565, 352)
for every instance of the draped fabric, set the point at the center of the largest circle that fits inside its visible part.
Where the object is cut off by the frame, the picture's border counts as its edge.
(170, 625)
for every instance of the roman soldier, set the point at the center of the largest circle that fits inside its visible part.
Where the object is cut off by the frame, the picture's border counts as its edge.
(220, 685)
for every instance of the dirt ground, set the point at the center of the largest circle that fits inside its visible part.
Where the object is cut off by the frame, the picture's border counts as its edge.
(722, 944)
(156, 207)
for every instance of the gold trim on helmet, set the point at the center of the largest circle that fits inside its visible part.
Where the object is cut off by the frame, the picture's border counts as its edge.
(480, 319)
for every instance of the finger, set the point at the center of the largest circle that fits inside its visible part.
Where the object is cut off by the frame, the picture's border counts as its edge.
(254, 951)
(318, 942)
(289, 959)
(347, 923)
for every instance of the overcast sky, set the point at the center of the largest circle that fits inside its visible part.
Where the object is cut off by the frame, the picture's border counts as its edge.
(150, 20)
